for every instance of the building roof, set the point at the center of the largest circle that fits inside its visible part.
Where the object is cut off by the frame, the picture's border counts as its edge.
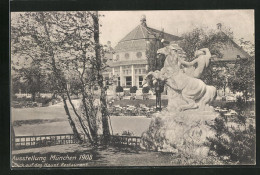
(124, 63)
(137, 38)
(233, 51)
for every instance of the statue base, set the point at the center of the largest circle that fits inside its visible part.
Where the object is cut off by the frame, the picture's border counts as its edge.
(184, 131)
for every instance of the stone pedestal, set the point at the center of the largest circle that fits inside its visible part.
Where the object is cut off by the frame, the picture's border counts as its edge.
(185, 132)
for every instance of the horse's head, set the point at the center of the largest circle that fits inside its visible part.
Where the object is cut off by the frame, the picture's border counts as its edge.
(165, 51)
(172, 49)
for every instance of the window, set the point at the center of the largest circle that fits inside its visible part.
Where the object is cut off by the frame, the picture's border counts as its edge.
(139, 54)
(128, 81)
(127, 70)
(140, 81)
(117, 58)
(127, 55)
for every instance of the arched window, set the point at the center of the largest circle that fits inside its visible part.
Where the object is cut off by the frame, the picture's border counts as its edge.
(126, 55)
(139, 54)
(117, 58)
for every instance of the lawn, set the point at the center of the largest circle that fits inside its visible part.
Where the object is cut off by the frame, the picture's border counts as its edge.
(99, 157)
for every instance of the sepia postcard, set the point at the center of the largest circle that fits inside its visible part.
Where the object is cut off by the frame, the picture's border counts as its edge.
(132, 88)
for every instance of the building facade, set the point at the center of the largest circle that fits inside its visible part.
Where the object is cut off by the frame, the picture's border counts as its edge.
(129, 62)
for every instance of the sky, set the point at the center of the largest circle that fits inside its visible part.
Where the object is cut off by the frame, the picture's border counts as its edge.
(117, 24)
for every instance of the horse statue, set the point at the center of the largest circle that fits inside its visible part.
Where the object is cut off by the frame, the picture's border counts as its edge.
(184, 91)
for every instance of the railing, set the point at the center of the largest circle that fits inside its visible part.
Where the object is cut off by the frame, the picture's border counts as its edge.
(132, 141)
(21, 142)
(48, 95)
(44, 140)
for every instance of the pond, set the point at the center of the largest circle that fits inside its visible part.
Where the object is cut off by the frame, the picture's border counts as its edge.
(53, 120)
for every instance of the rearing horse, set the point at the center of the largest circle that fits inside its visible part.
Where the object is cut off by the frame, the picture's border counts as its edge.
(187, 92)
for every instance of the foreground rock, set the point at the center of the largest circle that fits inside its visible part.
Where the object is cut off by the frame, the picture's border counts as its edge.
(180, 132)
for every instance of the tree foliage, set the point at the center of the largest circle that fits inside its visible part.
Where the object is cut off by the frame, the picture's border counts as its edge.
(200, 38)
(133, 89)
(119, 89)
(155, 62)
(145, 90)
(65, 45)
(243, 78)
(232, 143)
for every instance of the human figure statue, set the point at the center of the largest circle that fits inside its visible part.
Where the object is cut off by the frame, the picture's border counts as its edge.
(200, 63)
(184, 91)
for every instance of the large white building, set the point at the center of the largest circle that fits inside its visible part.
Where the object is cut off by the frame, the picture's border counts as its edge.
(129, 61)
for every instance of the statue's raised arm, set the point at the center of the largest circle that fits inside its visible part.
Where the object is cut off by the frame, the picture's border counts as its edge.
(206, 51)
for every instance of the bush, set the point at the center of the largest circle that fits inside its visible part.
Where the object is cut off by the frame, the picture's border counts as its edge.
(234, 144)
(145, 90)
(133, 89)
(119, 89)
(44, 100)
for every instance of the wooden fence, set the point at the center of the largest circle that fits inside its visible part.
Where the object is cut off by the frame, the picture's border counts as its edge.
(20, 142)
(119, 140)
(44, 140)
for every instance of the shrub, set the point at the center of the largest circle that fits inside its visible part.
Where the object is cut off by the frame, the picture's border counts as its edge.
(233, 144)
(133, 89)
(119, 89)
(44, 100)
(145, 90)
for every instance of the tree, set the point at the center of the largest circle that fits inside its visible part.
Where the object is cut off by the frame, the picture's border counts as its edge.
(155, 62)
(217, 75)
(248, 46)
(200, 38)
(119, 89)
(133, 89)
(145, 91)
(99, 67)
(243, 78)
(66, 45)
(30, 79)
(215, 40)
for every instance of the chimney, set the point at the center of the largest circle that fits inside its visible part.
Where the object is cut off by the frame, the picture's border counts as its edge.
(219, 26)
(143, 20)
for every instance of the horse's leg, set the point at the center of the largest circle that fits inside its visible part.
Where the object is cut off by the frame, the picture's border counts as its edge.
(208, 97)
(191, 104)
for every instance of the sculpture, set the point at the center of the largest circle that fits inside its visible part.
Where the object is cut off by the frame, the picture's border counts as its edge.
(201, 62)
(185, 126)
(184, 91)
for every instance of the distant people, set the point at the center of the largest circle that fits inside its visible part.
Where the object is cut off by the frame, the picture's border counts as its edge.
(200, 63)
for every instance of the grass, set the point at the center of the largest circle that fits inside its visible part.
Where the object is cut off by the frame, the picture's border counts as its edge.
(100, 157)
